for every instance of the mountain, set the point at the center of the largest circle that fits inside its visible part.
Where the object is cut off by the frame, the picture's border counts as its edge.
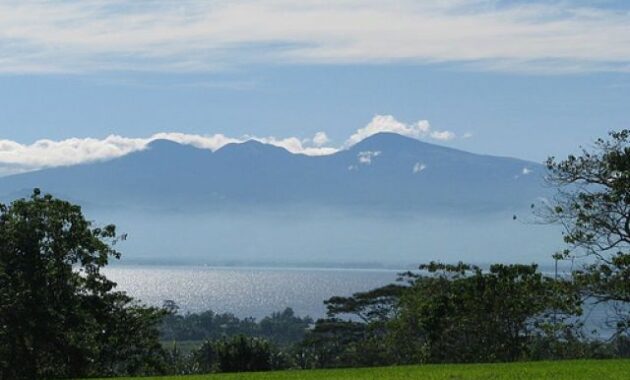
(388, 199)
(385, 172)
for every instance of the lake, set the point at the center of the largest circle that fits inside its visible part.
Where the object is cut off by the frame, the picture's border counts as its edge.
(258, 292)
(245, 292)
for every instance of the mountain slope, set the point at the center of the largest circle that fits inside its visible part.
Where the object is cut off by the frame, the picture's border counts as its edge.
(385, 171)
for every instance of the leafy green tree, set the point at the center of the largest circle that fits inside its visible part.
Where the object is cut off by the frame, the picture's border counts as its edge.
(284, 328)
(374, 306)
(244, 354)
(593, 206)
(355, 332)
(333, 342)
(461, 313)
(59, 315)
(447, 313)
(235, 354)
(206, 357)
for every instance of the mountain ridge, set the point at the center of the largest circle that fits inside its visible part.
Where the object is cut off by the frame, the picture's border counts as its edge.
(384, 170)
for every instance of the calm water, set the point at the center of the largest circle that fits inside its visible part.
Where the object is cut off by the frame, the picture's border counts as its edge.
(245, 292)
(258, 292)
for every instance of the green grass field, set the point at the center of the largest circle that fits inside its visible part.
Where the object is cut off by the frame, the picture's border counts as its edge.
(583, 369)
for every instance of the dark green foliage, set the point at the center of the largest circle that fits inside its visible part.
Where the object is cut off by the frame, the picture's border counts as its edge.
(243, 353)
(593, 206)
(359, 341)
(205, 325)
(461, 313)
(373, 306)
(237, 354)
(206, 358)
(59, 316)
(179, 362)
(446, 313)
(281, 328)
(332, 343)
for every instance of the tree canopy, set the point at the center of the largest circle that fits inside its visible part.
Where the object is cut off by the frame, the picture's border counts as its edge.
(59, 315)
(593, 206)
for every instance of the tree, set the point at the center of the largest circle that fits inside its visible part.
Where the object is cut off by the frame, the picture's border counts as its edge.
(593, 206)
(235, 354)
(447, 313)
(359, 340)
(461, 313)
(284, 328)
(59, 315)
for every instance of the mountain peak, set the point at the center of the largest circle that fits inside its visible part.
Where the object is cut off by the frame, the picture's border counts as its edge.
(384, 140)
(165, 145)
(250, 147)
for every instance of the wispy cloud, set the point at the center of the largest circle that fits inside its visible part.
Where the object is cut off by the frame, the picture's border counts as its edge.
(366, 157)
(183, 36)
(418, 167)
(16, 157)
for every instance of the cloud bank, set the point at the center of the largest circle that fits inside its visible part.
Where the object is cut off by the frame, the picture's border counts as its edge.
(182, 36)
(16, 157)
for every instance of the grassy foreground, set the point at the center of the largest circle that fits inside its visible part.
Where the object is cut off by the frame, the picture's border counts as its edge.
(579, 369)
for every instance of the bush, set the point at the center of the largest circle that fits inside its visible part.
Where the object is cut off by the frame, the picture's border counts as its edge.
(238, 354)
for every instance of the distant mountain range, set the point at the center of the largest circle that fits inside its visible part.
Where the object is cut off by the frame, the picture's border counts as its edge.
(383, 172)
(388, 199)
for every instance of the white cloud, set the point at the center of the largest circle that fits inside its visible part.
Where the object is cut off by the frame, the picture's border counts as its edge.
(86, 36)
(442, 135)
(320, 139)
(295, 145)
(467, 135)
(366, 157)
(418, 167)
(212, 142)
(387, 123)
(44, 153)
(16, 157)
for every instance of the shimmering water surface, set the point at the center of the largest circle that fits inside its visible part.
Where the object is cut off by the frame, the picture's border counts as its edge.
(258, 292)
(245, 292)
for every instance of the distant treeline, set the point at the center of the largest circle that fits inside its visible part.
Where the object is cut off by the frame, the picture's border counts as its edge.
(282, 328)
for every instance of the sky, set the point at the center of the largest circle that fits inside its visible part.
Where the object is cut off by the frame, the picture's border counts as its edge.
(83, 81)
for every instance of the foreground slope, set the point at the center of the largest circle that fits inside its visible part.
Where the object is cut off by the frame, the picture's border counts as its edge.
(561, 370)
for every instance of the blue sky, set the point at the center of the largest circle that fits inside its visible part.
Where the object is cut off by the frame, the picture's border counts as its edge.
(512, 78)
